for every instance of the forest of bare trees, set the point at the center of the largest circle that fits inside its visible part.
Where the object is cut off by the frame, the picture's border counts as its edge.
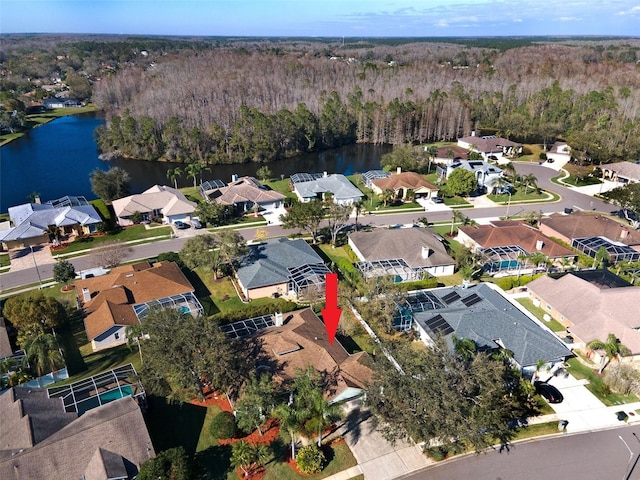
(256, 99)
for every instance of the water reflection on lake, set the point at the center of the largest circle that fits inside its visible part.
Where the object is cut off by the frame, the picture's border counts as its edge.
(56, 159)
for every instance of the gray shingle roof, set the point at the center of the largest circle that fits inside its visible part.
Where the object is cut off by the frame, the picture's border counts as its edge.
(117, 427)
(493, 319)
(32, 219)
(267, 263)
(337, 184)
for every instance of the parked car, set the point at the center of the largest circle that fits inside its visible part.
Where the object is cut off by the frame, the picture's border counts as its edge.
(181, 225)
(436, 200)
(195, 223)
(549, 392)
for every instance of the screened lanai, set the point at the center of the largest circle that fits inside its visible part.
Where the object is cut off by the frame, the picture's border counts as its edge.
(502, 258)
(306, 276)
(371, 175)
(617, 251)
(420, 301)
(184, 302)
(395, 267)
(100, 389)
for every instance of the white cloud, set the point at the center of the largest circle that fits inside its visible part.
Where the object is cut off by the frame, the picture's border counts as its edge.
(632, 11)
(569, 19)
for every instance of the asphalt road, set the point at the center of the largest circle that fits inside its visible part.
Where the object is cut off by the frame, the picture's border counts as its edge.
(603, 455)
(569, 199)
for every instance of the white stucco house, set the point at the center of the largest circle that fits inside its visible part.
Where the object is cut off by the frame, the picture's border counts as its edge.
(159, 201)
(316, 187)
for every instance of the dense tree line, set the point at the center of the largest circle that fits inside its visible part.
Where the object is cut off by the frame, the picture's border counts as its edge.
(220, 100)
(225, 105)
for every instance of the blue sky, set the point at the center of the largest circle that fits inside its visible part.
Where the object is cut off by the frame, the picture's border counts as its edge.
(326, 18)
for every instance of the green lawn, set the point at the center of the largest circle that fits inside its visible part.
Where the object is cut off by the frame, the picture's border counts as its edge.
(281, 186)
(536, 430)
(4, 260)
(135, 232)
(553, 324)
(581, 182)
(456, 201)
(596, 384)
(519, 196)
(102, 208)
(37, 119)
(338, 455)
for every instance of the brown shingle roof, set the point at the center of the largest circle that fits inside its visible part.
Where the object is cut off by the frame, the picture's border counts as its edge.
(593, 312)
(409, 180)
(305, 330)
(504, 233)
(114, 294)
(245, 189)
(583, 224)
(117, 427)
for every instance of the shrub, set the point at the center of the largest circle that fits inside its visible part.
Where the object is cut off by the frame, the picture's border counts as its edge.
(431, 282)
(437, 453)
(542, 156)
(279, 304)
(223, 425)
(171, 257)
(310, 459)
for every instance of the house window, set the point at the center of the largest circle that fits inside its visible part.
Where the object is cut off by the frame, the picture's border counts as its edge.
(116, 336)
(548, 307)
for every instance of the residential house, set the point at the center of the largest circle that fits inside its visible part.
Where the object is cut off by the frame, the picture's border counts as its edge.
(403, 183)
(31, 222)
(491, 147)
(505, 244)
(51, 103)
(371, 175)
(591, 304)
(158, 202)
(407, 254)
(124, 296)
(588, 232)
(560, 152)
(280, 267)
(486, 174)
(243, 194)
(622, 172)
(293, 341)
(39, 440)
(309, 187)
(482, 313)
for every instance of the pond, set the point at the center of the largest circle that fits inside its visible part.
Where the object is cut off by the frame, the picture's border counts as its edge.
(57, 158)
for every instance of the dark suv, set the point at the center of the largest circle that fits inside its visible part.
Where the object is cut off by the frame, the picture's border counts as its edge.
(549, 392)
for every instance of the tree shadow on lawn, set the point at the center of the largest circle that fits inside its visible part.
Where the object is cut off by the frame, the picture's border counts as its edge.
(69, 337)
(214, 462)
(172, 424)
(202, 292)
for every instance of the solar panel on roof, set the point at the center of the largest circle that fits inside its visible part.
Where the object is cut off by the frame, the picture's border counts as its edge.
(450, 298)
(471, 300)
(438, 324)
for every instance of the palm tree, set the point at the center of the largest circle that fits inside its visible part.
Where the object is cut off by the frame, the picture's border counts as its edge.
(173, 174)
(465, 348)
(500, 184)
(358, 208)
(42, 351)
(134, 334)
(194, 169)
(321, 413)
(290, 422)
(247, 456)
(612, 348)
(432, 152)
(457, 217)
(387, 195)
(529, 180)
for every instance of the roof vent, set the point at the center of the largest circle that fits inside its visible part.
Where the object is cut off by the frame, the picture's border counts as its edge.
(426, 252)
(539, 244)
(278, 319)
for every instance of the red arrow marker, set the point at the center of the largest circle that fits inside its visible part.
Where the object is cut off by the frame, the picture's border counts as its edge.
(331, 313)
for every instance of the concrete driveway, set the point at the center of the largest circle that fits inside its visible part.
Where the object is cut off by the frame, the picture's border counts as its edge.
(582, 409)
(27, 258)
(377, 458)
